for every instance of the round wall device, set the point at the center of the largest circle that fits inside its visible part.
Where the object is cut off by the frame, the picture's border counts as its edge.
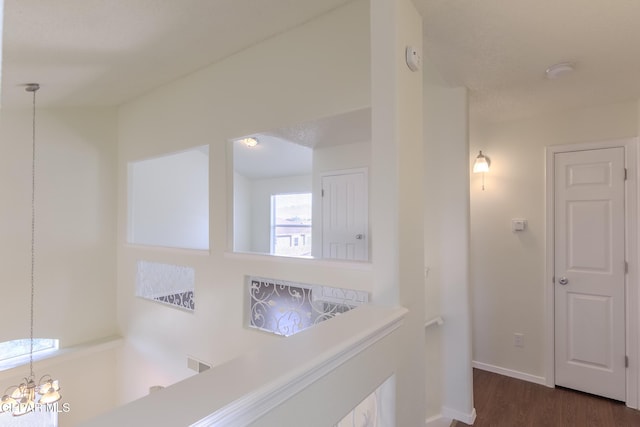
(414, 58)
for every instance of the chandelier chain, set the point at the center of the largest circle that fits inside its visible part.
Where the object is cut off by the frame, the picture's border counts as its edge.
(22, 399)
(33, 229)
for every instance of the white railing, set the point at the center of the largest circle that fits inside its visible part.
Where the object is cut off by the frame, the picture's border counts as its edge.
(313, 378)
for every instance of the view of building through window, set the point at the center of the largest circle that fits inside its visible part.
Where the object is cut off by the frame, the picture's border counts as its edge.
(291, 224)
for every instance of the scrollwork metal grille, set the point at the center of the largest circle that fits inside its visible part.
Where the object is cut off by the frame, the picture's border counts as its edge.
(286, 308)
(166, 283)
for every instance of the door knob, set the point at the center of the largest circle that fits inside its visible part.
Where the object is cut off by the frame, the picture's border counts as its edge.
(563, 281)
(359, 236)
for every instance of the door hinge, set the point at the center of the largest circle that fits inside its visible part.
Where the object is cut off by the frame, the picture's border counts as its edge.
(626, 267)
(626, 361)
(322, 193)
(625, 174)
(553, 279)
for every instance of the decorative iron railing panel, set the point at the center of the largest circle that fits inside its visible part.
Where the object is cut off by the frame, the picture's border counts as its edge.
(286, 308)
(166, 283)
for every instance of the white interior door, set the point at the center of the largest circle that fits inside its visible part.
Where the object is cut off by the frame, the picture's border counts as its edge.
(345, 216)
(590, 271)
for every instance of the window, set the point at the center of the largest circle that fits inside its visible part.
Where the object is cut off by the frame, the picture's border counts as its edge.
(12, 352)
(33, 419)
(291, 224)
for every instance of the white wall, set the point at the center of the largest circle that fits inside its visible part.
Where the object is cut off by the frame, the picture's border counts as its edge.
(337, 157)
(315, 70)
(75, 224)
(397, 195)
(169, 200)
(507, 269)
(75, 262)
(241, 213)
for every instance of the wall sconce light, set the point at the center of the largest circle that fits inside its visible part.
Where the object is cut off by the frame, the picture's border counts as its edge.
(481, 165)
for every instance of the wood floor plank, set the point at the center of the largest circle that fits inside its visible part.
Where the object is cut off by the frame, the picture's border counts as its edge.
(502, 401)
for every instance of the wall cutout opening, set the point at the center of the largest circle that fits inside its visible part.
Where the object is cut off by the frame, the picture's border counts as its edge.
(168, 200)
(297, 159)
(166, 283)
(286, 308)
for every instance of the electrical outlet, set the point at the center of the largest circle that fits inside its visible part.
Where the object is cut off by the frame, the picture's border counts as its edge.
(518, 340)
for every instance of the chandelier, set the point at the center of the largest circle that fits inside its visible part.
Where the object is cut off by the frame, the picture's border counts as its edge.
(21, 399)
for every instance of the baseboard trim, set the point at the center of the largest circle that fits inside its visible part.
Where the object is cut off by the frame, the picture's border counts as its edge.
(438, 421)
(510, 373)
(454, 414)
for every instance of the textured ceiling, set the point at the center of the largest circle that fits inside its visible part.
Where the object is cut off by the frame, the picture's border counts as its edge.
(500, 49)
(105, 52)
(288, 150)
(346, 128)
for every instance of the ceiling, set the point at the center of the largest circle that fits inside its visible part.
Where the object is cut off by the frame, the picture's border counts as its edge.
(105, 52)
(500, 50)
(288, 151)
(99, 52)
(273, 157)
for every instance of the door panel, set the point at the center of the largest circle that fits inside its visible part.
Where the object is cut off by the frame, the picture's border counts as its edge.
(588, 236)
(344, 216)
(589, 272)
(585, 338)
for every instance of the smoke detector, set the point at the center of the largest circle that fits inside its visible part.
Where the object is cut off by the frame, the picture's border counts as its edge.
(557, 70)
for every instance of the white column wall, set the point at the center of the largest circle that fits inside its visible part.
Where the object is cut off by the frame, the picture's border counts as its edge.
(397, 196)
(449, 375)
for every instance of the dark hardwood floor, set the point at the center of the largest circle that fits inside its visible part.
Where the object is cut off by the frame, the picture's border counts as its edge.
(507, 402)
